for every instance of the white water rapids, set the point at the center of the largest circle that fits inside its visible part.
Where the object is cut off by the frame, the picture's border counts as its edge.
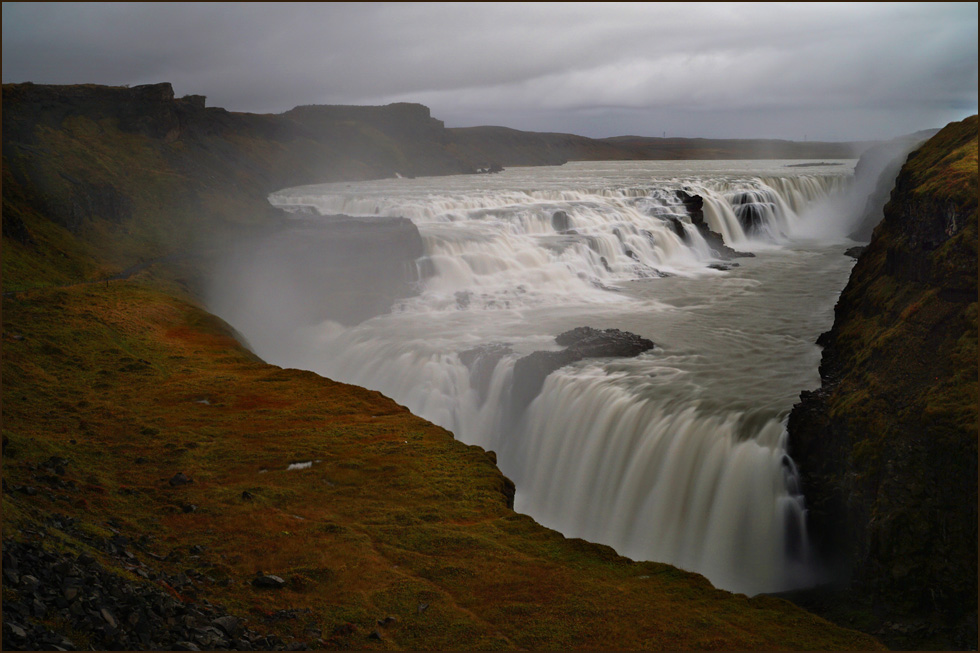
(676, 455)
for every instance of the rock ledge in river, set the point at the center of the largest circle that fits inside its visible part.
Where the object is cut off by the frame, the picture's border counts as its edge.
(582, 342)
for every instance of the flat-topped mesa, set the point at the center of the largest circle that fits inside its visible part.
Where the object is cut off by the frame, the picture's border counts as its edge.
(581, 342)
(401, 119)
(149, 109)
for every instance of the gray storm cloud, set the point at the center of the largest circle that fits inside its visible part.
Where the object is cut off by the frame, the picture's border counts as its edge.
(832, 71)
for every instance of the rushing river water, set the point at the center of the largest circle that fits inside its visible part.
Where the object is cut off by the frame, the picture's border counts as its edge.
(676, 455)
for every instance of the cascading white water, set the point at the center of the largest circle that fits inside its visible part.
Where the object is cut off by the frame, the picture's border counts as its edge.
(676, 455)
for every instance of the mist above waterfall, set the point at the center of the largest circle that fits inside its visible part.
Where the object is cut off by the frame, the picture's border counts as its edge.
(676, 454)
(854, 214)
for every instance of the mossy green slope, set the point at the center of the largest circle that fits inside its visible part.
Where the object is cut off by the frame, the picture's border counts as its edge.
(888, 446)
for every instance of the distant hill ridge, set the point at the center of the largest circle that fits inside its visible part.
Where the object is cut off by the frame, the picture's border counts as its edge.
(382, 138)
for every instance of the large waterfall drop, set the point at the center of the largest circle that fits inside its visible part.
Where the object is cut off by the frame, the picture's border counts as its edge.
(676, 455)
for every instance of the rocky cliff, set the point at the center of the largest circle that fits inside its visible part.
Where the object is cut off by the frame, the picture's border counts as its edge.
(887, 446)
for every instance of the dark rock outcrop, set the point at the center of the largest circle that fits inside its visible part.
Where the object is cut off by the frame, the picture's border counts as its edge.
(595, 343)
(48, 594)
(481, 362)
(581, 342)
(694, 205)
(751, 209)
(887, 446)
(560, 221)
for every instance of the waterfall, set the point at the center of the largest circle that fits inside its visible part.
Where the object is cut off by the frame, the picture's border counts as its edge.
(648, 454)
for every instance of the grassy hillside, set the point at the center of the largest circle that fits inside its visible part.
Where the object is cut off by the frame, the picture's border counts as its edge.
(482, 145)
(130, 386)
(639, 147)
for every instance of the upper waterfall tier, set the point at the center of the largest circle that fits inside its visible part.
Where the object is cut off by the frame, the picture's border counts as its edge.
(492, 243)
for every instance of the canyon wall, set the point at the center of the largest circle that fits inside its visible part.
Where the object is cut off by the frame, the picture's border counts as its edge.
(887, 446)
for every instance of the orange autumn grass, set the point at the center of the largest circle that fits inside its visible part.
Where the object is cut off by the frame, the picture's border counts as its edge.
(392, 518)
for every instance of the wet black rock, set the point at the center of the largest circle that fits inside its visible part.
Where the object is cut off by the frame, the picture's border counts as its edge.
(560, 221)
(752, 209)
(463, 298)
(591, 343)
(481, 362)
(678, 228)
(268, 581)
(694, 204)
(180, 478)
(582, 342)
(855, 252)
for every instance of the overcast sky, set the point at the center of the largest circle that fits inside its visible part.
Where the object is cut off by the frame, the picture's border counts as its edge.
(844, 71)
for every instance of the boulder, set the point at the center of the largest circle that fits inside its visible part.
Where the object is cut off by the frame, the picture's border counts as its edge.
(560, 221)
(230, 624)
(594, 343)
(180, 478)
(581, 342)
(268, 581)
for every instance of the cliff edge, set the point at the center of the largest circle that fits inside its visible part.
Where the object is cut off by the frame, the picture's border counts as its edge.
(887, 446)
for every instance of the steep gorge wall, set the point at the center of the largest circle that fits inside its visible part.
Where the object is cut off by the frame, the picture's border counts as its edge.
(887, 446)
